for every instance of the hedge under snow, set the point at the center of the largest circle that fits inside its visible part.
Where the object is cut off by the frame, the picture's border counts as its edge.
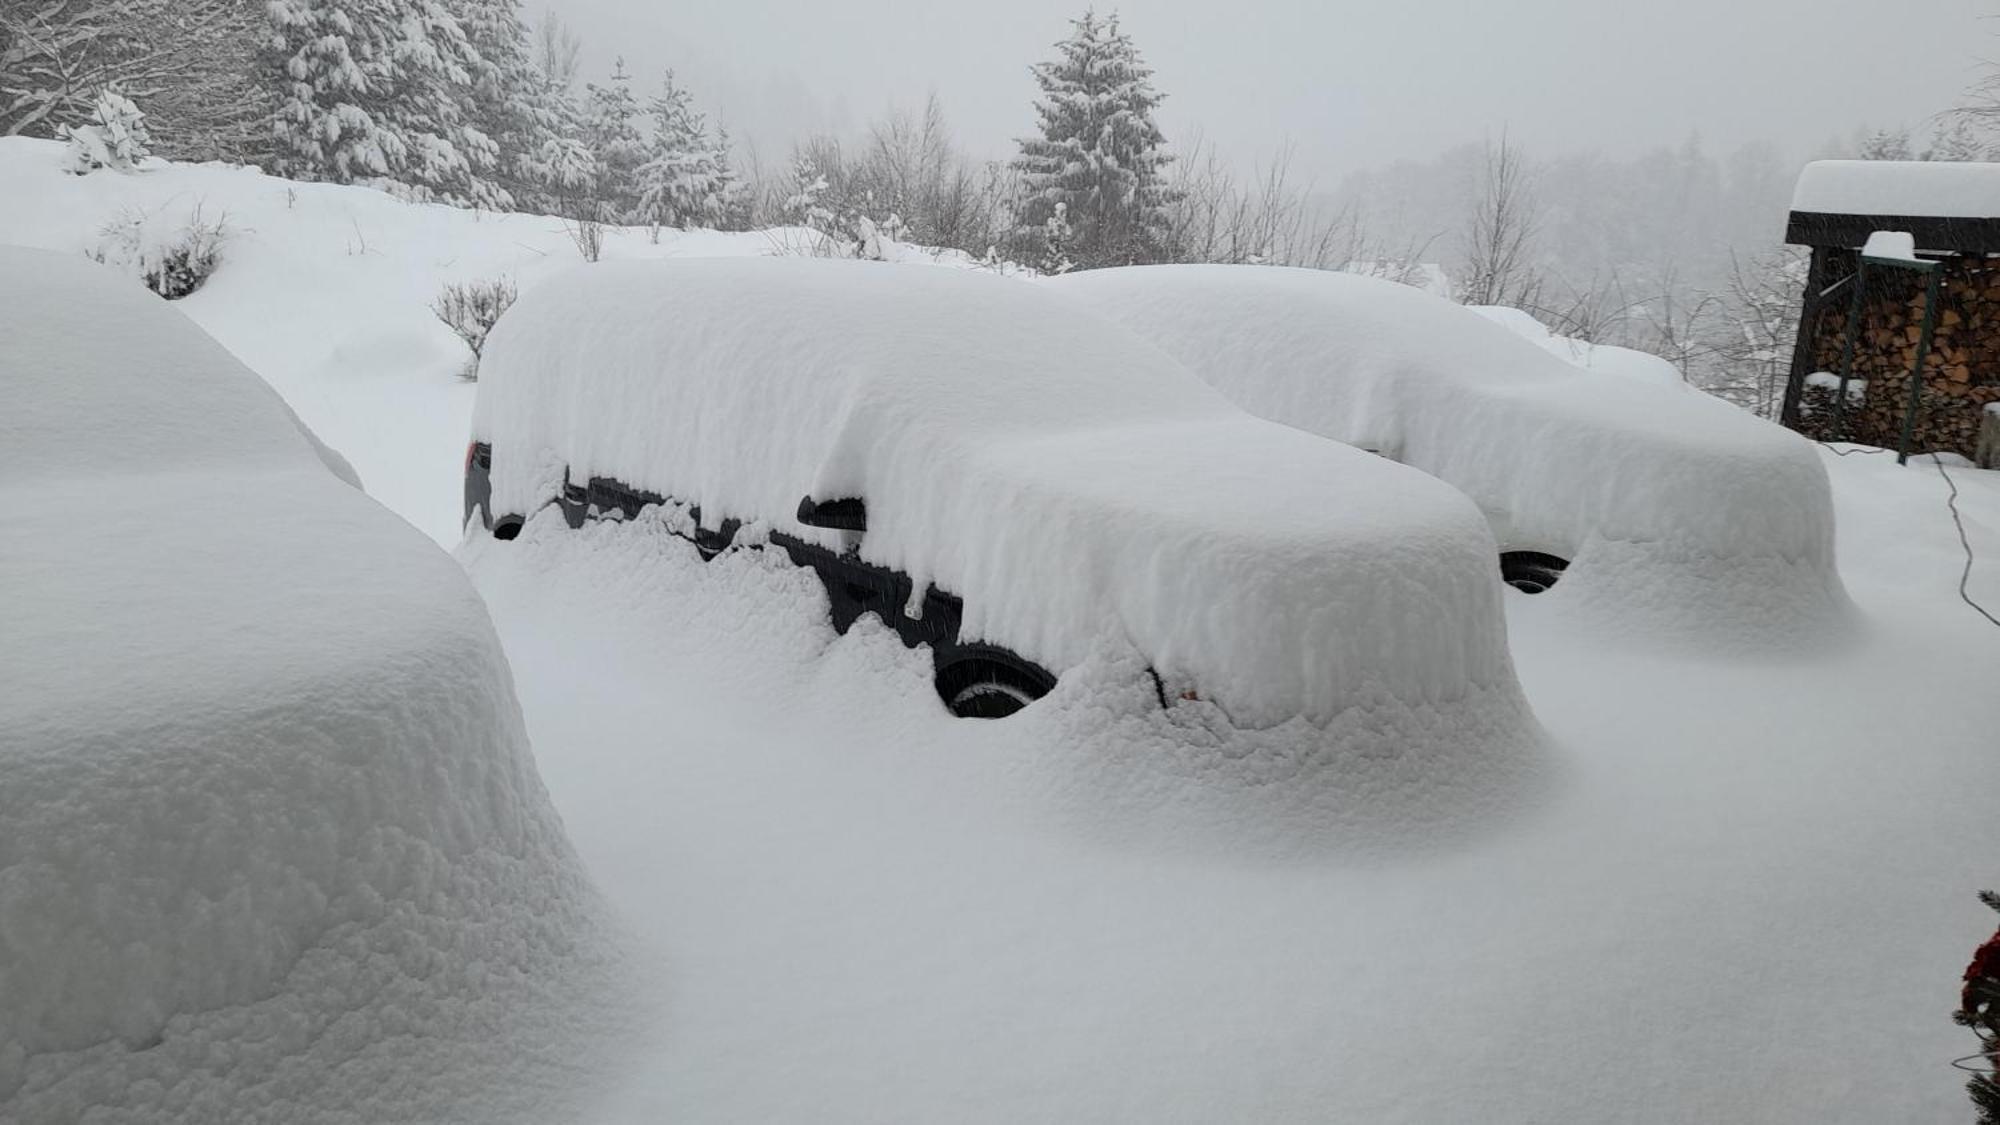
(1669, 503)
(1075, 486)
(258, 743)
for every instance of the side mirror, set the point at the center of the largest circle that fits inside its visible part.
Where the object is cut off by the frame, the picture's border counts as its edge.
(847, 514)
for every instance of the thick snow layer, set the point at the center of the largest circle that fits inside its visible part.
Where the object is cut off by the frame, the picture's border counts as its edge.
(915, 918)
(1857, 389)
(1604, 359)
(1894, 245)
(266, 796)
(1681, 514)
(1943, 189)
(1068, 481)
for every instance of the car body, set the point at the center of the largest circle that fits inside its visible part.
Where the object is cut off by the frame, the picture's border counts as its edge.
(994, 473)
(246, 708)
(1576, 472)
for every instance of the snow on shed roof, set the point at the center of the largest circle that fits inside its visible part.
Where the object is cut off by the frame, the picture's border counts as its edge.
(1938, 189)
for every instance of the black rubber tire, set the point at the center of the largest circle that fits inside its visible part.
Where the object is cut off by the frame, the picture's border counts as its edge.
(989, 683)
(508, 527)
(1531, 572)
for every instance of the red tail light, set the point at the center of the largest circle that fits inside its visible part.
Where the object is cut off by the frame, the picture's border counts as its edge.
(471, 448)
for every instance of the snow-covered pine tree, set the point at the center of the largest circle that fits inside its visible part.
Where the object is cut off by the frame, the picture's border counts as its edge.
(611, 129)
(1099, 151)
(678, 182)
(115, 136)
(1956, 142)
(804, 206)
(731, 202)
(560, 173)
(379, 91)
(506, 93)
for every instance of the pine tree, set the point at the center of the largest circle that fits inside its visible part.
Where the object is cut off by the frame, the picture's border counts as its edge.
(115, 136)
(1886, 144)
(611, 129)
(1956, 142)
(379, 91)
(679, 182)
(1099, 152)
(804, 207)
(506, 94)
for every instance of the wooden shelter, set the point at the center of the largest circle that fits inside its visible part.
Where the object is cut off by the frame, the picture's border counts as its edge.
(1951, 211)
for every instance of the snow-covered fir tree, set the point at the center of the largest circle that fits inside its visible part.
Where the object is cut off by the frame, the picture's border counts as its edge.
(1957, 141)
(1099, 151)
(611, 129)
(805, 206)
(680, 182)
(115, 136)
(507, 102)
(1886, 144)
(379, 91)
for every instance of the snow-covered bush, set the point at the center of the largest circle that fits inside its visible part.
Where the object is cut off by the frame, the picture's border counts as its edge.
(115, 137)
(470, 310)
(173, 257)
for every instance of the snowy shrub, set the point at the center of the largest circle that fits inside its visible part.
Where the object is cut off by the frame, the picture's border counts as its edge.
(470, 310)
(172, 258)
(115, 136)
(587, 235)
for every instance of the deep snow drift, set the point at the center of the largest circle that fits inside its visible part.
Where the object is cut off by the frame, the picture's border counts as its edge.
(1681, 514)
(1738, 890)
(1074, 486)
(269, 811)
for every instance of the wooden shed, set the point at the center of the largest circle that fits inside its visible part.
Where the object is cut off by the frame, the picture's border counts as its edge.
(1951, 211)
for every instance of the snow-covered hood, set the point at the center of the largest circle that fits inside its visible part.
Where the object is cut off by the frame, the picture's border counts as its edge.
(1074, 485)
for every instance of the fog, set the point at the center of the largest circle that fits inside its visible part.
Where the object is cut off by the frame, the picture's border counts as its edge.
(1349, 86)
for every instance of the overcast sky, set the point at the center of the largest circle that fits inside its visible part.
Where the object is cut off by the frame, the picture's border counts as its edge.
(1353, 85)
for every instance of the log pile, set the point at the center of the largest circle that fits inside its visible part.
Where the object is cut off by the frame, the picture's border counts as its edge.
(1961, 376)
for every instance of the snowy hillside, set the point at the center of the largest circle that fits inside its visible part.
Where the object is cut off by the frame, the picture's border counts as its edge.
(1724, 887)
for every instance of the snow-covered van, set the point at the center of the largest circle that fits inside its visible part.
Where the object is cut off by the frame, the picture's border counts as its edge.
(994, 472)
(1638, 493)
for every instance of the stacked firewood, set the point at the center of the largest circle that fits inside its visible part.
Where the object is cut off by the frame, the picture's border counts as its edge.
(1961, 375)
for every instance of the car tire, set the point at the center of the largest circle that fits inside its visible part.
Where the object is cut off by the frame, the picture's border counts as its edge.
(1531, 572)
(989, 683)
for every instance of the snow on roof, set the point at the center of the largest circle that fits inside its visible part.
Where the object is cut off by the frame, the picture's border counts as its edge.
(244, 707)
(1071, 483)
(1559, 461)
(1934, 189)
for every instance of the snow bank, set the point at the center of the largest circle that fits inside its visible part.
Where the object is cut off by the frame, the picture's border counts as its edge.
(1680, 513)
(1072, 484)
(1932, 189)
(1604, 359)
(262, 774)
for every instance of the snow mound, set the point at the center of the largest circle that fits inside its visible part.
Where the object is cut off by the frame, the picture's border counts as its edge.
(1604, 359)
(1686, 491)
(1068, 481)
(1942, 189)
(266, 789)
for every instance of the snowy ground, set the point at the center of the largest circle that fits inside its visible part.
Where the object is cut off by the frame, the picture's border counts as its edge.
(1728, 891)
(1734, 891)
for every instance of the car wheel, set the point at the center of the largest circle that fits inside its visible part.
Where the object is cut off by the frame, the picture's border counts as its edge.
(989, 683)
(1531, 572)
(507, 527)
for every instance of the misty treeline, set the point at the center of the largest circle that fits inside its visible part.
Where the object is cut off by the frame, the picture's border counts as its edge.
(1677, 252)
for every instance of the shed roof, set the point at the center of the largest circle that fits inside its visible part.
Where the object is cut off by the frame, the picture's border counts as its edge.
(1943, 205)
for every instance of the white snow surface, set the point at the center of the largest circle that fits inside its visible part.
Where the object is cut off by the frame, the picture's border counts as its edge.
(1896, 245)
(1681, 514)
(1946, 189)
(1074, 486)
(267, 807)
(1603, 359)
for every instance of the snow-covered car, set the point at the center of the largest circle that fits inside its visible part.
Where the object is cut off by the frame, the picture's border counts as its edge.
(1640, 493)
(258, 742)
(992, 471)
